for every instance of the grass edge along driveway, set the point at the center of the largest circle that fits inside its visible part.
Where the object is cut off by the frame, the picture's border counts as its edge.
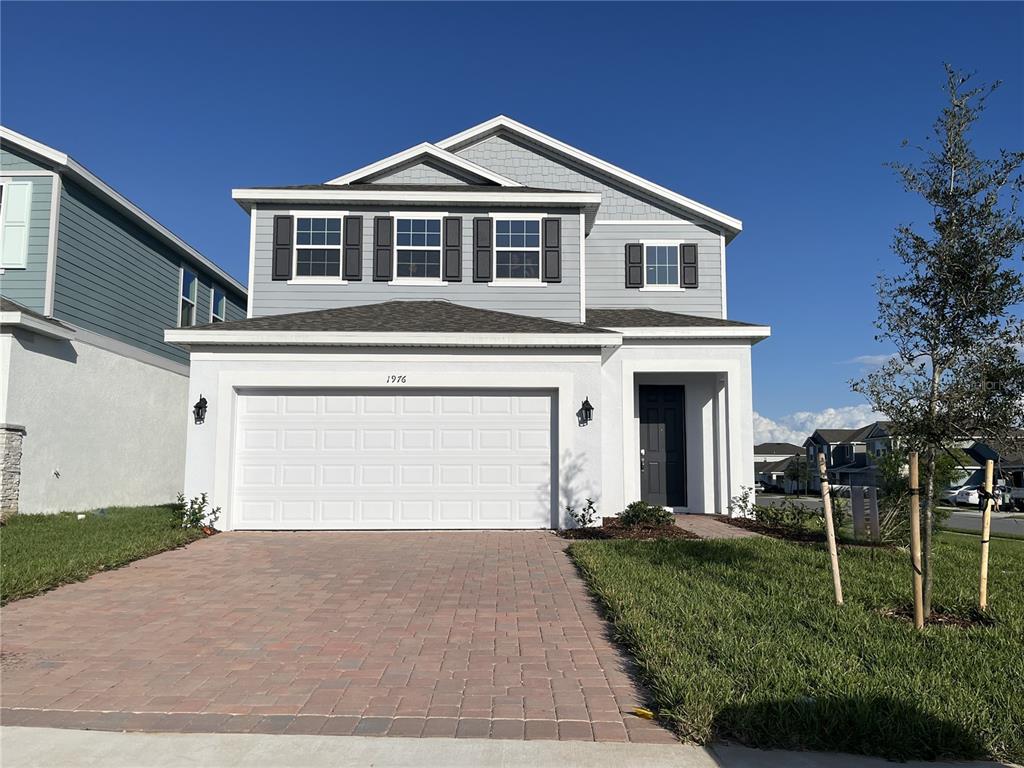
(741, 640)
(40, 552)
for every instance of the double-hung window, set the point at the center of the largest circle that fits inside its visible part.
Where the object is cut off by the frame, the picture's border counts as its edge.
(318, 247)
(517, 249)
(661, 265)
(417, 248)
(218, 305)
(189, 286)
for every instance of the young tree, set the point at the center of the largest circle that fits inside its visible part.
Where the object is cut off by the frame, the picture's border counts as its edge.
(957, 372)
(798, 473)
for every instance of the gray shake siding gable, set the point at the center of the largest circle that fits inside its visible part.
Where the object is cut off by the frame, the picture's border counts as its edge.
(556, 301)
(420, 173)
(28, 286)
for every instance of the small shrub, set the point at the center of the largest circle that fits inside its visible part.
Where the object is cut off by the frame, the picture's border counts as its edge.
(193, 513)
(641, 514)
(583, 518)
(742, 505)
(786, 515)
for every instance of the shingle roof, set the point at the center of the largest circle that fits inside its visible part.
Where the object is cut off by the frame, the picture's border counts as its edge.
(836, 435)
(6, 305)
(402, 317)
(778, 448)
(640, 318)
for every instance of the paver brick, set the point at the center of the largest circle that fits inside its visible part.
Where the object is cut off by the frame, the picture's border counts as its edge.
(486, 633)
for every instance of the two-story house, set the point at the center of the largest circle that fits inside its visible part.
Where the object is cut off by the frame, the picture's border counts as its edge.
(474, 333)
(92, 399)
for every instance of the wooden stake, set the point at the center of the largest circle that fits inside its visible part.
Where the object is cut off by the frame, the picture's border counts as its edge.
(986, 530)
(873, 518)
(857, 510)
(830, 531)
(915, 542)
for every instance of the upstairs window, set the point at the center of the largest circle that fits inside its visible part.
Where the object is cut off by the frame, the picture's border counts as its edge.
(318, 247)
(418, 248)
(517, 249)
(187, 311)
(218, 305)
(661, 265)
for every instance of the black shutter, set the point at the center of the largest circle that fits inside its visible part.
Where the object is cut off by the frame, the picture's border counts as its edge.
(284, 226)
(453, 249)
(634, 265)
(482, 229)
(353, 248)
(688, 265)
(383, 246)
(552, 229)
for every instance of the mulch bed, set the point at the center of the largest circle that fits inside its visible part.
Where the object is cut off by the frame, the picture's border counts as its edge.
(943, 617)
(614, 531)
(799, 536)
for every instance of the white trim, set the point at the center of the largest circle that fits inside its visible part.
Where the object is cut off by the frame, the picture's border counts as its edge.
(517, 281)
(18, 319)
(583, 268)
(721, 236)
(459, 140)
(186, 336)
(51, 246)
(252, 258)
(257, 195)
(96, 185)
(677, 287)
(296, 278)
(701, 332)
(424, 149)
(420, 216)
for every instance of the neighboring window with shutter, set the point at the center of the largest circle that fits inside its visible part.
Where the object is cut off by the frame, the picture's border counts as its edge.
(688, 271)
(281, 267)
(634, 265)
(482, 251)
(15, 216)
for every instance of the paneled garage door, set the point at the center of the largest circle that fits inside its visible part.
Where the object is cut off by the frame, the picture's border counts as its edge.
(373, 460)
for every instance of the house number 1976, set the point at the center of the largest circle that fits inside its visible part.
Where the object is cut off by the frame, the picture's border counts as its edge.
(396, 379)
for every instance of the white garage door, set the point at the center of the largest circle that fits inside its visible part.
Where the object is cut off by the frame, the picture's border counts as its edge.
(418, 459)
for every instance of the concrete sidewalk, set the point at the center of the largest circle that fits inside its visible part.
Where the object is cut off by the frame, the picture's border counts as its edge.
(48, 747)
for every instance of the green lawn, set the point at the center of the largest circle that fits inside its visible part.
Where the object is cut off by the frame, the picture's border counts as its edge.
(40, 552)
(742, 640)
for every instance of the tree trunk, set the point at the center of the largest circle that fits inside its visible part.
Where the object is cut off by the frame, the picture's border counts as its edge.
(926, 520)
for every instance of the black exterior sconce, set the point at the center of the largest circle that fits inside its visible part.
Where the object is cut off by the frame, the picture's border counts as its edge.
(586, 412)
(199, 410)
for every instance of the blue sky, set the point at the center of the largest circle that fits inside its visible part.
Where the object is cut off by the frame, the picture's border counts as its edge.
(779, 114)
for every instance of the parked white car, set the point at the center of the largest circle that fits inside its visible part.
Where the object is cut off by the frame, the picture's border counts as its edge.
(968, 495)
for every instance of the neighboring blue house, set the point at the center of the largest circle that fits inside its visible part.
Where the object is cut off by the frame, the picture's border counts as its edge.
(94, 401)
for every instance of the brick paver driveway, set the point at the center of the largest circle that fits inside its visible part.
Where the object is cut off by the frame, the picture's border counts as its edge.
(470, 634)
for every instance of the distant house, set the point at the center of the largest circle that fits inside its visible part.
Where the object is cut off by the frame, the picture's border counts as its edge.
(771, 461)
(93, 402)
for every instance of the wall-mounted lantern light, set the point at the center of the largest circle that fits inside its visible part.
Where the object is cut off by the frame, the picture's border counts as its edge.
(199, 410)
(586, 413)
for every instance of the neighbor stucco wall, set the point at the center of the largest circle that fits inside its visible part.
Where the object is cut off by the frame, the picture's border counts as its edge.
(102, 428)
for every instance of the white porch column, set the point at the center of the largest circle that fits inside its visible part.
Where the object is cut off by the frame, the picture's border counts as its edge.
(740, 416)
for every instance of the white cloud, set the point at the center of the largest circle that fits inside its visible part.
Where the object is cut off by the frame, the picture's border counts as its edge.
(868, 360)
(797, 427)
